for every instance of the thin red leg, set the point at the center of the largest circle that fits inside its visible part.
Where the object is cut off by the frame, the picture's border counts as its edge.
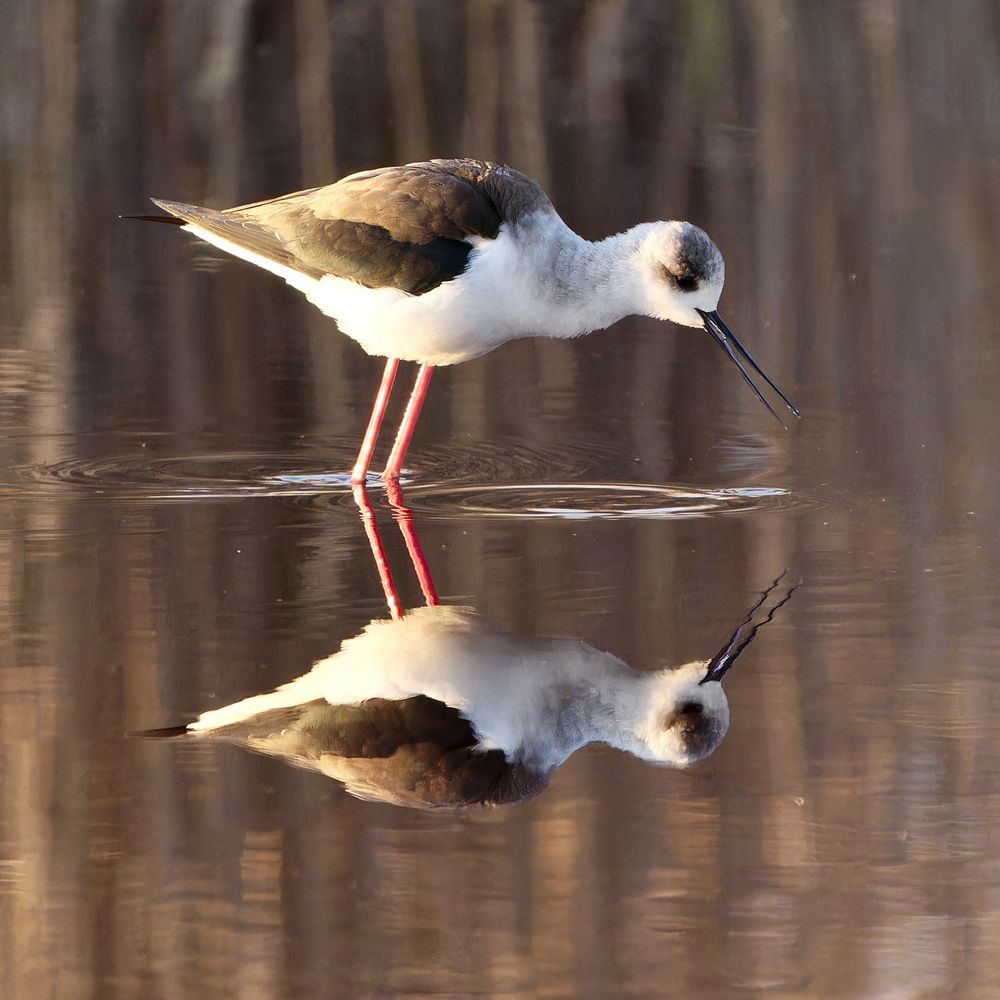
(404, 518)
(409, 422)
(371, 530)
(375, 421)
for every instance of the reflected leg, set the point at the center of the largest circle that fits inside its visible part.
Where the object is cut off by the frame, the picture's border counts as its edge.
(375, 421)
(404, 518)
(378, 553)
(409, 422)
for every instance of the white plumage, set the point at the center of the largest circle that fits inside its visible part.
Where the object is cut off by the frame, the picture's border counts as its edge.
(536, 699)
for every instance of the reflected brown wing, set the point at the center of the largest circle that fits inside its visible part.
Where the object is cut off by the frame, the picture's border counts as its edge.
(420, 776)
(404, 227)
(415, 752)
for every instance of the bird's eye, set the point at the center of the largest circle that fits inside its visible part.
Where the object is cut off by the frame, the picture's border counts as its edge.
(691, 708)
(687, 718)
(686, 282)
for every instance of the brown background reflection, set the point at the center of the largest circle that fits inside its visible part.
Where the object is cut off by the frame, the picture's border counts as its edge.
(843, 841)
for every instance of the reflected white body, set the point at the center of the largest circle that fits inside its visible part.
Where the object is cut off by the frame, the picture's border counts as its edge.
(537, 278)
(537, 700)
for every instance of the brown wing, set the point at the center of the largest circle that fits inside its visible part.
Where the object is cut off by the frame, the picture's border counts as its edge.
(415, 752)
(420, 777)
(244, 232)
(403, 227)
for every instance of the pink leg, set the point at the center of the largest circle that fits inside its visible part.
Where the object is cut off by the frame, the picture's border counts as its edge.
(409, 422)
(375, 422)
(371, 530)
(404, 518)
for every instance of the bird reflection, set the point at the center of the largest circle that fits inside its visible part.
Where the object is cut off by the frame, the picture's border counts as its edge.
(436, 707)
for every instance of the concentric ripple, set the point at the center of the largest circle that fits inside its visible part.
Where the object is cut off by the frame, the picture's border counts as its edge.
(150, 475)
(139, 477)
(585, 501)
(503, 480)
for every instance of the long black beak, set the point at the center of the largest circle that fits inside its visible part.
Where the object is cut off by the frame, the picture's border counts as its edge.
(744, 633)
(726, 339)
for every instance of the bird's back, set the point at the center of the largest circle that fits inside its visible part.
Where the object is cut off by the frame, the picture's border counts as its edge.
(405, 227)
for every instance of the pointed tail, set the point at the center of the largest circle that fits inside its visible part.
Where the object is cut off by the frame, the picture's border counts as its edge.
(159, 734)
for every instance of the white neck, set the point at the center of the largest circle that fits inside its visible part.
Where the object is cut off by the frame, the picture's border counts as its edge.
(587, 286)
(607, 710)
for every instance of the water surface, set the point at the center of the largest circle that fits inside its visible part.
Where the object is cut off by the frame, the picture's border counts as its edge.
(176, 531)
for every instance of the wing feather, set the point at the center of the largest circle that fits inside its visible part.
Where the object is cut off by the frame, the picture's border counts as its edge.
(407, 227)
(414, 751)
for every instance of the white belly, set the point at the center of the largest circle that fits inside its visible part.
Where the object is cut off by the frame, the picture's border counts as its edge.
(494, 300)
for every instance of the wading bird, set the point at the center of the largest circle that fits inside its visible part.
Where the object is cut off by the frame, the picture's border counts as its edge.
(439, 708)
(443, 261)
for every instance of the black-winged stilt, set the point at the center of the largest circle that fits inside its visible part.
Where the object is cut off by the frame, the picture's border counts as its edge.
(442, 261)
(439, 708)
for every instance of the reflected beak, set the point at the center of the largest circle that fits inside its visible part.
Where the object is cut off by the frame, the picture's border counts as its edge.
(726, 339)
(744, 633)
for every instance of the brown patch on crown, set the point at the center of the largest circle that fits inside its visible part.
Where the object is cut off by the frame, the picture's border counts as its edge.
(697, 728)
(698, 260)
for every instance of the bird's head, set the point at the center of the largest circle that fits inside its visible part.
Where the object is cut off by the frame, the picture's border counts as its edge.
(686, 714)
(685, 720)
(681, 274)
(681, 271)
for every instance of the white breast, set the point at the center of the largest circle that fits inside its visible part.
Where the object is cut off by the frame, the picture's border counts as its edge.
(499, 297)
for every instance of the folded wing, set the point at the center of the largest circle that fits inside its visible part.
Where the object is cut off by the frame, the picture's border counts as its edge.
(407, 227)
(415, 752)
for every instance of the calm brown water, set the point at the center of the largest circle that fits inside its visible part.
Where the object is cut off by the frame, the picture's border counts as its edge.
(175, 535)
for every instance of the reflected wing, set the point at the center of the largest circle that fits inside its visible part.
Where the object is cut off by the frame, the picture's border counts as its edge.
(415, 752)
(405, 227)
(422, 776)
